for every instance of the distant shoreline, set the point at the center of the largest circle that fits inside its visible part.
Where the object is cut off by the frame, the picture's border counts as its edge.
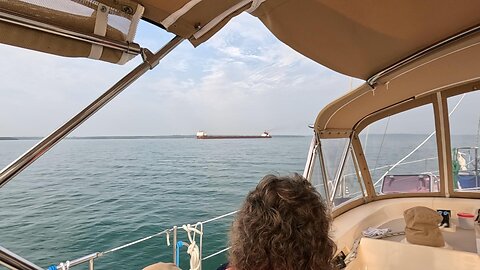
(128, 137)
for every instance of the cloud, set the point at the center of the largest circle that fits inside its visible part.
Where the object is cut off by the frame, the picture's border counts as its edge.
(243, 80)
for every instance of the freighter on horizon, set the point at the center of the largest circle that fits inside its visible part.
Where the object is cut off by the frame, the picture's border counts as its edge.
(204, 135)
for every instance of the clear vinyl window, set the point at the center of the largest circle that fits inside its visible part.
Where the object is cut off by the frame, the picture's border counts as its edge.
(464, 118)
(335, 172)
(401, 152)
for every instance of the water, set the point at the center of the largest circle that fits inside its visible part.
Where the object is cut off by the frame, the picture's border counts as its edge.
(92, 195)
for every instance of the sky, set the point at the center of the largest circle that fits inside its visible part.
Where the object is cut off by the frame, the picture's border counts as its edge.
(241, 81)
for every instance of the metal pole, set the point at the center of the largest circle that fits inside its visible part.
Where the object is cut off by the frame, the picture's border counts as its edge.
(310, 159)
(90, 265)
(84, 259)
(150, 61)
(175, 244)
(13, 261)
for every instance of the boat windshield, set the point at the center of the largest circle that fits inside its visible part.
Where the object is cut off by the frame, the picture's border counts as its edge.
(465, 139)
(401, 152)
(335, 172)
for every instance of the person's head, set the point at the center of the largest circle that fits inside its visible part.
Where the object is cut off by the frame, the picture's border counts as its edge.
(282, 225)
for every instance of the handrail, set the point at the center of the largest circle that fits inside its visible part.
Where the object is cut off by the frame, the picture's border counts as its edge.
(13, 261)
(91, 257)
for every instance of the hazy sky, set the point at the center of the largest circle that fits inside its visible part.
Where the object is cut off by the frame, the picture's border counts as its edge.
(243, 80)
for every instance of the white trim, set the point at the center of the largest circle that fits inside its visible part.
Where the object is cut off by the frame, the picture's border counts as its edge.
(188, 6)
(131, 33)
(179, 13)
(219, 18)
(101, 22)
(134, 23)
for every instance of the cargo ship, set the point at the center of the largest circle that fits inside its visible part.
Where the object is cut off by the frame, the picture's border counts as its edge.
(204, 135)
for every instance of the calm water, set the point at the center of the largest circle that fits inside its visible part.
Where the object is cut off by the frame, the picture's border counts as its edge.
(92, 195)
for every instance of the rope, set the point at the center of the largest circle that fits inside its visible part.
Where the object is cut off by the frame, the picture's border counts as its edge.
(376, 234)
(193, 250)
(63, 266)
(195, 253)
(168, 238)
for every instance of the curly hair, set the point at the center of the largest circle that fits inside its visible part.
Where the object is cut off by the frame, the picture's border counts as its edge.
(282, 225)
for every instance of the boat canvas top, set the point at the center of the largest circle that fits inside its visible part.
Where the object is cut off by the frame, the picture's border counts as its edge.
(371, 35)
(409, 53)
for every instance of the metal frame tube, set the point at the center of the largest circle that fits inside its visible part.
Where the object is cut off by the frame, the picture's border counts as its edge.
(8, 17)
(91, 264)
(150, 61)
(310, 159)
(13, 261)
(175, 244)
(84, 259)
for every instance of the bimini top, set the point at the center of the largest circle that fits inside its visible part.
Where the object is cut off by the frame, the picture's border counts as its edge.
(453, 66)
(356, 38)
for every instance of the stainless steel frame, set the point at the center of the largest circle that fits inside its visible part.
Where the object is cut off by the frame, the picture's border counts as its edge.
(131, 48)
(307, 172)
(88, 258)
(13, 261)
(150, 61)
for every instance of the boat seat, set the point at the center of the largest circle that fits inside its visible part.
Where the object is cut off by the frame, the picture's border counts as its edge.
(381, 254)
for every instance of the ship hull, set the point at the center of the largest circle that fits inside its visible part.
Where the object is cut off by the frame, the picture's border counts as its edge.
(232, 137)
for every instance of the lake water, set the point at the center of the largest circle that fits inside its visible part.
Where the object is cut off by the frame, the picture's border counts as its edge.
(89, 195)
(86, 196)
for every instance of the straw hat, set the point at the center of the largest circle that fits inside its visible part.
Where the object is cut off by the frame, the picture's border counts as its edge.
(421, 227)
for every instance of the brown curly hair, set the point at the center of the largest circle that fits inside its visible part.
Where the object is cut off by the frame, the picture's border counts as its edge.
(282, 225)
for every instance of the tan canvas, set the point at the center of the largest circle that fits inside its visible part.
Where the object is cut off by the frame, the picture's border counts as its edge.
(421, 227)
